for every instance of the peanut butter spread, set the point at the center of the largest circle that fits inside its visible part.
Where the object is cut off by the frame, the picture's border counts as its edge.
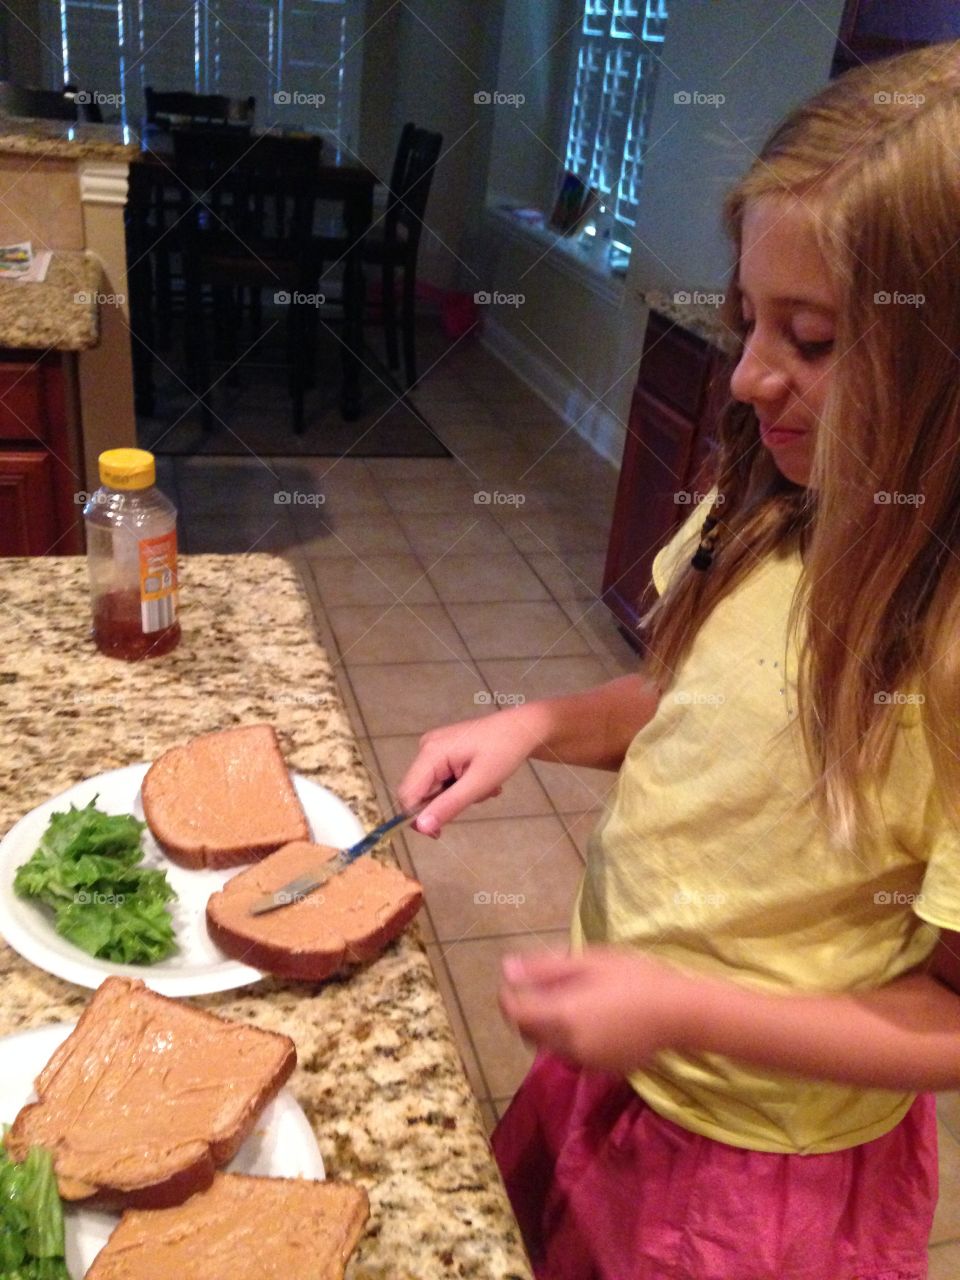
(353, 905)
(224, 790)
(143, 1087)
(257, 1228)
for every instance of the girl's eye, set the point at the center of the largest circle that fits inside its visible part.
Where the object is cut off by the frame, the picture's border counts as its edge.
(813, 350)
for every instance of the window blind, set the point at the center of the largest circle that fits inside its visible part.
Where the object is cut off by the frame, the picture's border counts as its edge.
(301, 59)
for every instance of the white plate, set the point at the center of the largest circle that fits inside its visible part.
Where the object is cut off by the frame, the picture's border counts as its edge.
(281, 1146)
(198, 967)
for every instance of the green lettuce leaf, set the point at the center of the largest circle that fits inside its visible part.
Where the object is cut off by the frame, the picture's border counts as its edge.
(87, 869)
(31, 1219)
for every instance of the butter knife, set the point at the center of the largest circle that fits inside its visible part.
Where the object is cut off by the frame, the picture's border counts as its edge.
(297, 889)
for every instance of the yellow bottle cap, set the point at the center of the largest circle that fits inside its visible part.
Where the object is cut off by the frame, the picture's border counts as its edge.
(127, 469)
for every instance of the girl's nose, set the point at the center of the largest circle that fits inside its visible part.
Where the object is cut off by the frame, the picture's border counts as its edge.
(755, 380)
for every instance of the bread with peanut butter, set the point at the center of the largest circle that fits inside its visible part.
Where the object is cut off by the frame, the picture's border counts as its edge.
(223, 799)
(349, 920)
(245, 1227)
(147, 1097)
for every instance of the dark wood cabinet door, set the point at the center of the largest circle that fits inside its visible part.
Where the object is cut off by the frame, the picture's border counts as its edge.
(679, 393)
(651, 500)
(28, 523)
(39, 457)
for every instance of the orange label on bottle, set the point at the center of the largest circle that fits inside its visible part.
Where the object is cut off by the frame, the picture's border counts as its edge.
(158, 581)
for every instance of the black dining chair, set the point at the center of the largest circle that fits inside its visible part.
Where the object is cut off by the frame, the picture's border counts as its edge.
(248, 213)
(49, 104)
(394, 243)
(396, 248)
(165, 110)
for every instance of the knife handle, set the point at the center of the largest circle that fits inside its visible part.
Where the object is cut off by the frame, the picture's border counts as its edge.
(398, 820)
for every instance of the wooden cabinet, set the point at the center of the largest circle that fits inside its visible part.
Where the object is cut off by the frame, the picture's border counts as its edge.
(674, 407)
(40, 478)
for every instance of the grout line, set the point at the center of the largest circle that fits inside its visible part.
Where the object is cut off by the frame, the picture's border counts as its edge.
(450, 943)
(442, 961)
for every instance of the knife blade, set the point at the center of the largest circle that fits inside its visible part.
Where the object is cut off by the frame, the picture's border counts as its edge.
(296, 890)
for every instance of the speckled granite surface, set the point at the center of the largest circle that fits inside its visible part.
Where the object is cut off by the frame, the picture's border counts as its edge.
(31, 137)
(696, 314)
(378, 1072)
(62, 312)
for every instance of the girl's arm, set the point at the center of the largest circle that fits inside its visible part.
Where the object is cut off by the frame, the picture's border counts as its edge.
(591, 728)
(613, 1009)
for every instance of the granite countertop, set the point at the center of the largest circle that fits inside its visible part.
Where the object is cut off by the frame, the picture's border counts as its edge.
(65, 139)
(62, 312)
(697, 310)
(378, 1072)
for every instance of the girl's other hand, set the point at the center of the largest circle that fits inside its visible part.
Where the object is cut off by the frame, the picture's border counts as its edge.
(481, 754)
(608, 1008)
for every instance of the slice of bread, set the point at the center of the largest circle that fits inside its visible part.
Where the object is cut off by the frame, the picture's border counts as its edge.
(245, 1227)
(223, 799)
(148, 1096)
(347, 921)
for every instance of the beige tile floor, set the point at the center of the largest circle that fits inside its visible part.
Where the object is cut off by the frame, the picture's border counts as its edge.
(434, 604)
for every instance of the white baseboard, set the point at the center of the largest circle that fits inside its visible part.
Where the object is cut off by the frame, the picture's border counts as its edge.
(605, 434)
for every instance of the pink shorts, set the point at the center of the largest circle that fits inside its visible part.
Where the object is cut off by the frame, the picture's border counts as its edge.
(606, 1189)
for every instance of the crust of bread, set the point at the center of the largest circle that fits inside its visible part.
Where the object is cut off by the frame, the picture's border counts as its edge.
(266, 941)
(172, 792)
(165, 1178)
(328, 1219)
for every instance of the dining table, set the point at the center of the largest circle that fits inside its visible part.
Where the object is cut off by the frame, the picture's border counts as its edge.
(341, 180)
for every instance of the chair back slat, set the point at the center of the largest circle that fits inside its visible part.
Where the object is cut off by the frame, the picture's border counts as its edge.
(263, 188)
(410, 182)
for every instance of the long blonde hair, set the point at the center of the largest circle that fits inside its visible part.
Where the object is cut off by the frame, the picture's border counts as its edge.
(875, 158)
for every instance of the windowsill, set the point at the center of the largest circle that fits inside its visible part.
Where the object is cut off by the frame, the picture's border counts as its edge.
(564, 254)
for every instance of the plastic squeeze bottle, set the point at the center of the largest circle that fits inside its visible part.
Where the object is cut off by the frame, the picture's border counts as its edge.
(132, 558)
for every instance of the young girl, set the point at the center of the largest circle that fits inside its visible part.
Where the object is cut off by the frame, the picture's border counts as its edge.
(737, 1061)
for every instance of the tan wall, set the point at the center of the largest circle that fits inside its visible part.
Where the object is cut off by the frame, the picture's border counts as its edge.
(427, 69)
(536, 58)
(739, 51)
(40, 202)
(379, 127)
(587, 346)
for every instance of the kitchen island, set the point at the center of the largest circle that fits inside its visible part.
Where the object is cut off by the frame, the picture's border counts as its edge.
(378, 1072)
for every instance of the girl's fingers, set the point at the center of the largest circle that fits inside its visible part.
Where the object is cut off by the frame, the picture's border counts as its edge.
(421, 780)
(470, 787)
(537, 1017)
(520, 1011)
(540, 968)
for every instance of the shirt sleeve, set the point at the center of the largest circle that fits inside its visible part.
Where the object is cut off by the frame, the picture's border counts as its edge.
(939, 899)
(681, 546)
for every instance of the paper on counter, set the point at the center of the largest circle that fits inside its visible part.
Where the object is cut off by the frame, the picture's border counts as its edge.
(16, 259)
(18, 262)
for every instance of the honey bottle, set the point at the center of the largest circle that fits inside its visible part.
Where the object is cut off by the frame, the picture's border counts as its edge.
(132, 558)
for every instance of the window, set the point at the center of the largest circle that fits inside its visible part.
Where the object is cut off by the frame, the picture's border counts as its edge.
(616, 74)
(291, 50)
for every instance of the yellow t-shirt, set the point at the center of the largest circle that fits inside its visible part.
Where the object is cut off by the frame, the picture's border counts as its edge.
(710, 859)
